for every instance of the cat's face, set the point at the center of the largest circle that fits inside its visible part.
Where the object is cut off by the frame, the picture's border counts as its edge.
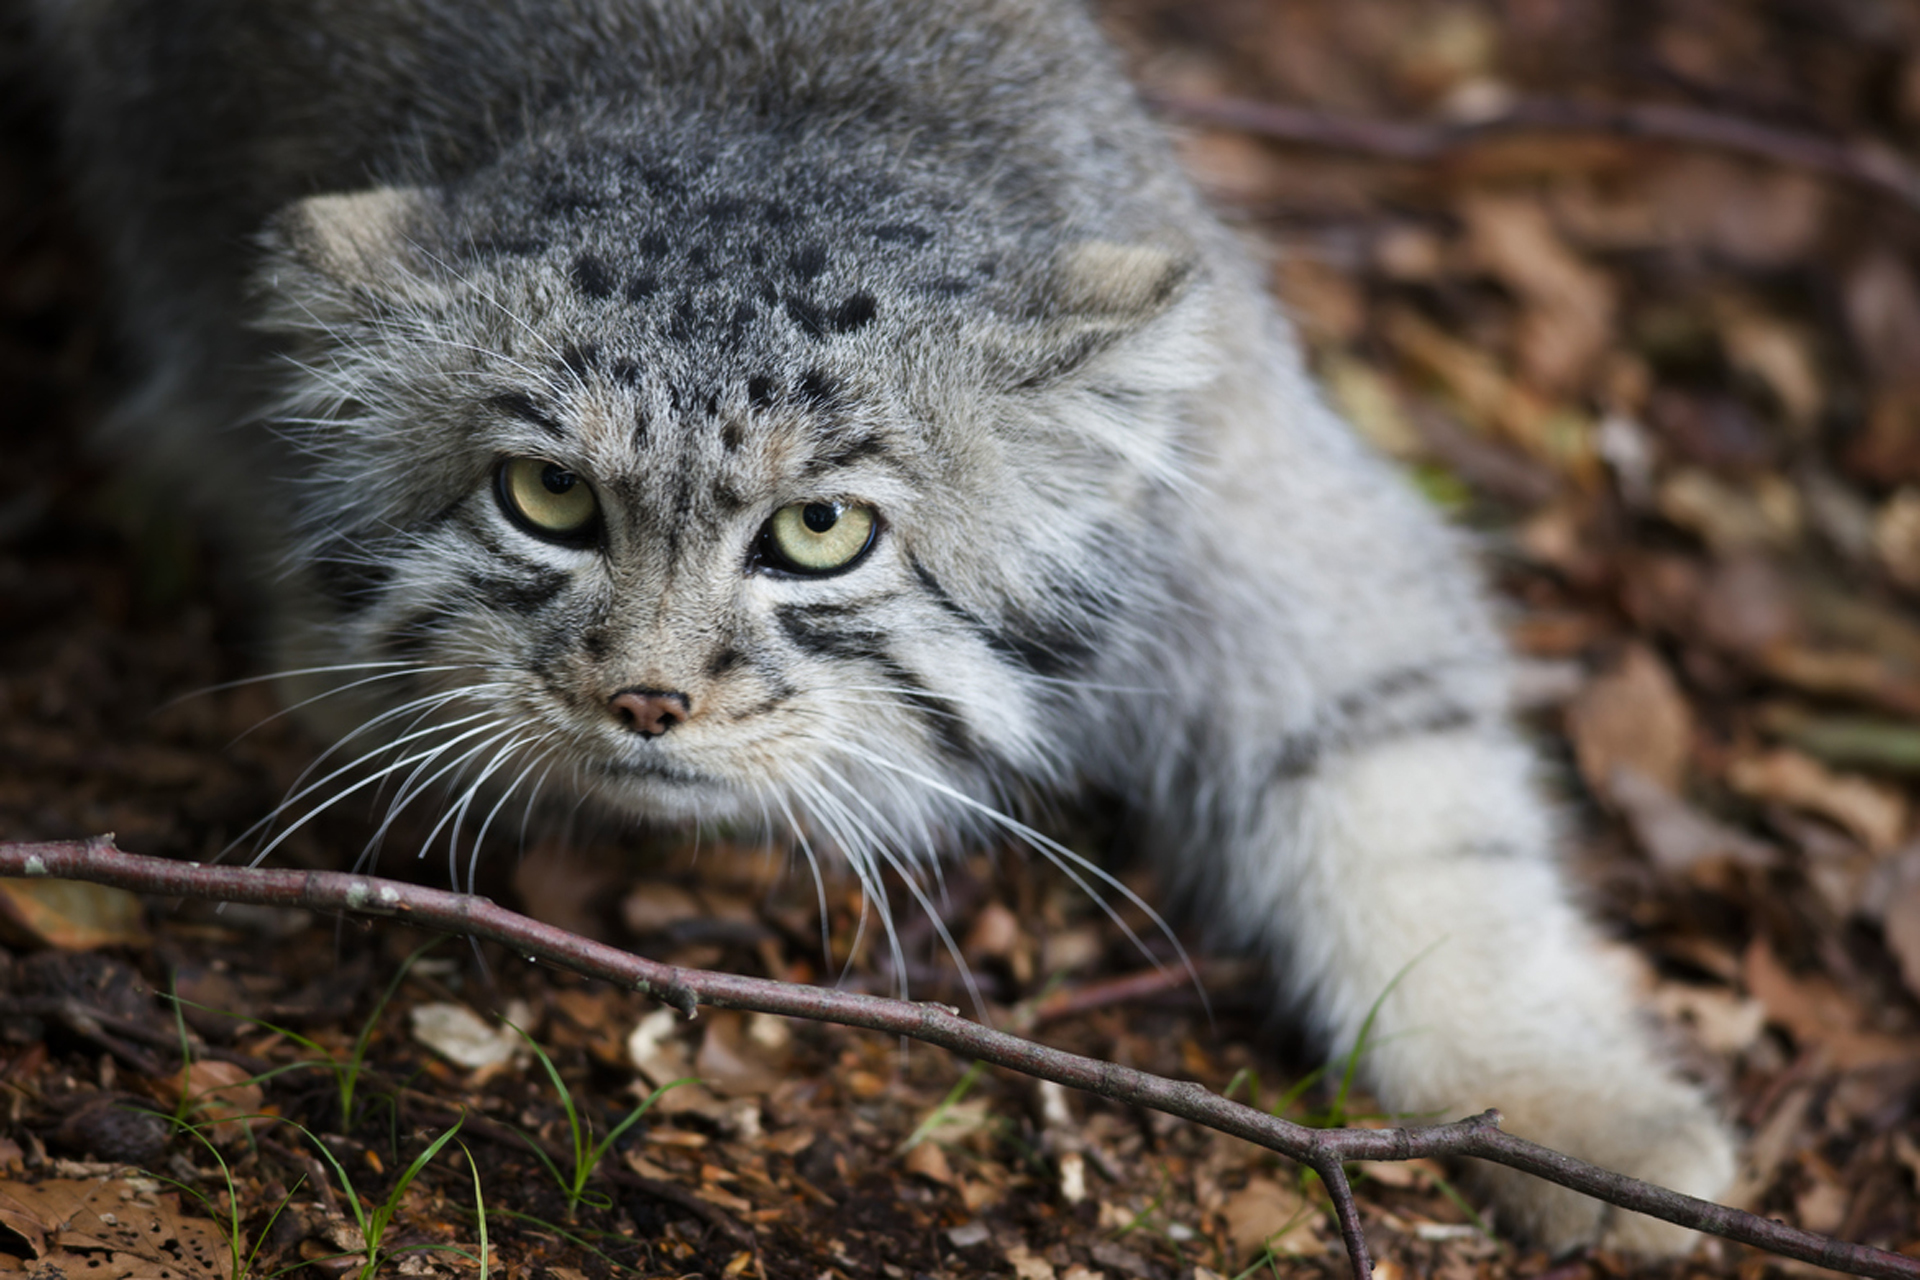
(697, 523)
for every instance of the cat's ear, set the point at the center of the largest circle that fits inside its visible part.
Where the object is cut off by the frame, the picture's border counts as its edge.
(354, 251)
(1094, 298)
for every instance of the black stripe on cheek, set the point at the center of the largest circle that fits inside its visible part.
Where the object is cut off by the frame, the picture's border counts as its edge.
(1050, 653)
(518, 595)
(517, 404)
(812, 628)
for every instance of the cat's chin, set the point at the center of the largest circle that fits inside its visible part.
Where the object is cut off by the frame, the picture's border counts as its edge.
(656, 791)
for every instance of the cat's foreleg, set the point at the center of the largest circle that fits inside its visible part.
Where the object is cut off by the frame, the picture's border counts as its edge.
(1416, 875)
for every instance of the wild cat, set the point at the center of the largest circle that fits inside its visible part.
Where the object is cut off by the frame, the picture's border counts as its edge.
(842, 417)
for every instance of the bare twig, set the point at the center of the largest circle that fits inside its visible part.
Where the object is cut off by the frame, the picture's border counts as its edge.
(1324, 1150)
(1870, 164)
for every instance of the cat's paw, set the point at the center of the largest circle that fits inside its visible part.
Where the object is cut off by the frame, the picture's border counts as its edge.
(1671, 1140)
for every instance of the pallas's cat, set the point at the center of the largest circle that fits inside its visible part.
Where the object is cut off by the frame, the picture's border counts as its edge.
(843, 417)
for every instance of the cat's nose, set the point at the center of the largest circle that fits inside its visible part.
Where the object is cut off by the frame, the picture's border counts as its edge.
(650, 712)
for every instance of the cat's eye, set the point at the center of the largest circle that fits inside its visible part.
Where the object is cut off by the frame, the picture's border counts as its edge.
(547, 500)
(817, 537)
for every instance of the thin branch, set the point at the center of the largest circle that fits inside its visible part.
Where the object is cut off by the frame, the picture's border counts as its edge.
(1870, 164)
(1324, 1150)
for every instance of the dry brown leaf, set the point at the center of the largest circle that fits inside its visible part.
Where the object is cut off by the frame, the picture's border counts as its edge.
(1268, 1214)
(1874, 814)
(1760, 215)
(1764, 512)
(223, 1093)
(566, 886)
(734, 1063)
(653, 906)
(930, 1162)
(1819, 1015)
(112, 1229)
(1896, 537)
(1676, 837)
(1777, 353)
(1569, 305)
(1883, 311)
(70, 915)
(1633, 717)
(1717, 1019)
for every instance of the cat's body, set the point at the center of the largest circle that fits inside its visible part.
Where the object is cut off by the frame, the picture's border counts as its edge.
(728, 277)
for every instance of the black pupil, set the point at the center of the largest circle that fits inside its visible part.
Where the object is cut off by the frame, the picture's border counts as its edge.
(819, 517)
(558, 480)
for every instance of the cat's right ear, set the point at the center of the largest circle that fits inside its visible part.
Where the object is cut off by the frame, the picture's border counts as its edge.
(354, 253)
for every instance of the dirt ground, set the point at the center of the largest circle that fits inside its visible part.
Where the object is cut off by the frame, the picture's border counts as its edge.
(1660, 348)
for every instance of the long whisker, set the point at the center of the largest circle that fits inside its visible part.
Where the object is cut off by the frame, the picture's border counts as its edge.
(1058, 854)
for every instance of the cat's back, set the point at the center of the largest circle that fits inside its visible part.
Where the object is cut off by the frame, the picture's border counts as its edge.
(224, 110)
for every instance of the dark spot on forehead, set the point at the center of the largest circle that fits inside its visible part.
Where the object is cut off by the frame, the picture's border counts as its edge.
(642, 286)
(713, 404)
(818, 388)
(854, 313)
(902, 233)
(592, 276)
(699, 255)
(733, 434)
(652, 244)
(777, 214)
(627, 374)
(808, 261)
(518, 404)
(760, 391)
(725, 209)
(743, 314)
(580, 358)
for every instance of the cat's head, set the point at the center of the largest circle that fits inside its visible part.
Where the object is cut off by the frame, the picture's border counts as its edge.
(745, 497)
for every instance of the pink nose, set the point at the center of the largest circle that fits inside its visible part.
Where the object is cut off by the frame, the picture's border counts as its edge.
(649, 712)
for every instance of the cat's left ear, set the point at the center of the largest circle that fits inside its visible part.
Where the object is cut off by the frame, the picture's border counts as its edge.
(353, 252)
(1097, 296)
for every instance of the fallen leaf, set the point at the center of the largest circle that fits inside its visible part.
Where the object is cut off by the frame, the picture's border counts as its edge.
(1676, 837)
(110, 1228)
(1818, 1014)
(1633, 717)
(1027, 1264)
(734, 1063)
(1569, 305)
(223, 1093)
(1266, 1214)
(465, 1039)
(70, 915)
(1874, 814)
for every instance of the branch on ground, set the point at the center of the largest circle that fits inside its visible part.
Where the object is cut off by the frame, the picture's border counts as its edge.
(1326, 1151)
(1870, 164)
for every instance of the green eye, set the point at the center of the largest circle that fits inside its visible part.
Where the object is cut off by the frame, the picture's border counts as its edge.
(818, 537)
(546, 499)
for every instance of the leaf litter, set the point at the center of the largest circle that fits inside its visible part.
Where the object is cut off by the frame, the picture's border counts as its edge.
(1674, 389)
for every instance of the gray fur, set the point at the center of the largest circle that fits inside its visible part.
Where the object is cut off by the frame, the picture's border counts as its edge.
(721, 257)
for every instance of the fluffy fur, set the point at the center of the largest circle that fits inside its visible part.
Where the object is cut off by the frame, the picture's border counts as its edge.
(718, 257)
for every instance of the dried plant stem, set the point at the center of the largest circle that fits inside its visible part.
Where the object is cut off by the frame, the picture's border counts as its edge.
(1324, 1150)
(1872, 165)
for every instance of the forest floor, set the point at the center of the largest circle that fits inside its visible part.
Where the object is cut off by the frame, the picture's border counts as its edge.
(1659, 348)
